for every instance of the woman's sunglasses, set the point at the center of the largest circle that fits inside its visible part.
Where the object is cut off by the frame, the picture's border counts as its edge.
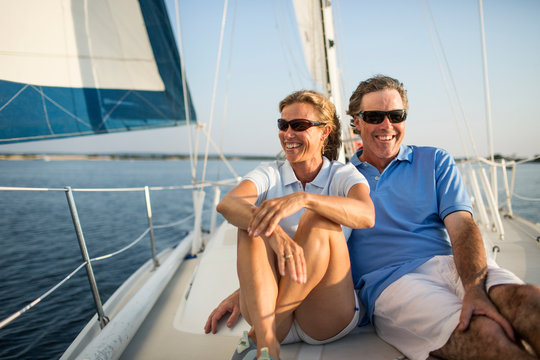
(377, 117)
(297, 124)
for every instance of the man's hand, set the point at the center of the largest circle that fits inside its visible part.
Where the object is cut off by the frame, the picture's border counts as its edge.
(477, 302)
(230, 304)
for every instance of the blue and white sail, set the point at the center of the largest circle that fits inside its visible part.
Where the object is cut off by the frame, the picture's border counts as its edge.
(81, 67)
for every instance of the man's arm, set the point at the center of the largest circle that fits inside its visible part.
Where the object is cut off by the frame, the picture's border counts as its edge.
(470, 259)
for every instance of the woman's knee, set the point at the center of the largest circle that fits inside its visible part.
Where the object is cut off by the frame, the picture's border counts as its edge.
(312, 221)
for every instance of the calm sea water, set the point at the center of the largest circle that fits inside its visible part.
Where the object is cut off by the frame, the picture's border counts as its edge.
(39, 247)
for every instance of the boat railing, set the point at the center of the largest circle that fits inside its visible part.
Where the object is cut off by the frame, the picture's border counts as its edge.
(197, 188)
(485, 191)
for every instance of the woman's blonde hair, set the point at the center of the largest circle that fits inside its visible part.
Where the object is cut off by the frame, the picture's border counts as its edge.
(327, 114)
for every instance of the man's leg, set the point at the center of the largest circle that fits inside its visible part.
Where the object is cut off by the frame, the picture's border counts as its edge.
(420, 312)
(484, 339)
(520, 305)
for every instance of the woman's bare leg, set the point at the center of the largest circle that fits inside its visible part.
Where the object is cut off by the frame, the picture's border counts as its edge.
(325, 304)
(258, 289)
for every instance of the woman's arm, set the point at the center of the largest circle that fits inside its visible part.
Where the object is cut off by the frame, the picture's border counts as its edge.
(355, 211)
(237, 205)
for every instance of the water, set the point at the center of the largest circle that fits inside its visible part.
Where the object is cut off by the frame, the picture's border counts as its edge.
(39, 246)
(527, 184)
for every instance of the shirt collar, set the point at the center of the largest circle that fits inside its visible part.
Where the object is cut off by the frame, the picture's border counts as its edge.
(320, 180)
(405, 154)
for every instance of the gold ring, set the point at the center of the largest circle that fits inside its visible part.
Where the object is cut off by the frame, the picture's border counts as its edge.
(287, 256)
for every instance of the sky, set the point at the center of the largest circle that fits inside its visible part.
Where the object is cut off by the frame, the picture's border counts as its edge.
(261, 63)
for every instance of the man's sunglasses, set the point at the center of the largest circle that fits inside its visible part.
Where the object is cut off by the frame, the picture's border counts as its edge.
(297, 124)
(377, 117)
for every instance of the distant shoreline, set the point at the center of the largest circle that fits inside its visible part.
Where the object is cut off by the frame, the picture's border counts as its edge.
(111, 157)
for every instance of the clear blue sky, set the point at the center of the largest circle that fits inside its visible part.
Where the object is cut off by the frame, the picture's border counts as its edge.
(389, 37)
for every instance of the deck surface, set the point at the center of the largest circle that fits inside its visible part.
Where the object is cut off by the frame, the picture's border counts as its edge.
(174, 328)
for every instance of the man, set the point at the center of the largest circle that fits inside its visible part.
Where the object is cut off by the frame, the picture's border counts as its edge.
(419, 297)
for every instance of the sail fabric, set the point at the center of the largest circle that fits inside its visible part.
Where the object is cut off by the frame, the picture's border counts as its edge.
(308, 17)
(80, 67)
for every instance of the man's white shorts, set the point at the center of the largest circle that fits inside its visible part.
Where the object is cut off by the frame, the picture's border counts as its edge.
(418, 312)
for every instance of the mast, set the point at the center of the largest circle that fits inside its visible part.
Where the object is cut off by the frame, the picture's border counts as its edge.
(333, 88)
(486, 82)
(492, 169)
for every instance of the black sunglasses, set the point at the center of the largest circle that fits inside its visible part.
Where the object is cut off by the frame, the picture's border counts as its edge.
(377, 117)
(297, 124)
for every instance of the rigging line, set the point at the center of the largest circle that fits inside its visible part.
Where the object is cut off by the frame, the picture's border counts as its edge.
(107, 116)
(486, 81)
(15, 315)
(227, 85)
(14, 188)
(149, 103)
(61, 107)
(184, 88)
(441, 70)
(527, 160)
(221, 156)
(454, 86)
(214, 91)
(524, 197)
(179, 222)
(13, 97)
(286, 46)
(45, 112)
(122, 249)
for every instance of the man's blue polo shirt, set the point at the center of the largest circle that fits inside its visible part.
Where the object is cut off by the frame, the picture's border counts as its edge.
(412, 196)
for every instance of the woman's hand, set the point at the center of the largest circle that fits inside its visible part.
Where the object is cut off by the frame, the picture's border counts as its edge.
(290, 256)
(266, 217)
(229, 305)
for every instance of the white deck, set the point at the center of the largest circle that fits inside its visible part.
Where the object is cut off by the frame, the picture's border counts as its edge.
(519, 250)
(174, 327)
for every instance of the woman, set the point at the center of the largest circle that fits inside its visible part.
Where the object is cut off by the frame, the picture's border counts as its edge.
(292, 260)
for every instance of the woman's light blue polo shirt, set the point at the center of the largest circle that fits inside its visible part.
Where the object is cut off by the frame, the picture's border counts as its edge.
(411, 197)
(276, 179)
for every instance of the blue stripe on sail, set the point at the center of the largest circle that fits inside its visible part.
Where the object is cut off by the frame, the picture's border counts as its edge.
(29, 112)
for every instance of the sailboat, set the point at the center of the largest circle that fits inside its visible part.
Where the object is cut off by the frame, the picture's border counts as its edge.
(160, 311)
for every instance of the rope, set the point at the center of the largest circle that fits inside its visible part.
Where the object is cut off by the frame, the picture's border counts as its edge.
(15, 315)
(525, 198)
(122, 249)
(450, 74)
(213, 103)
(227, 182)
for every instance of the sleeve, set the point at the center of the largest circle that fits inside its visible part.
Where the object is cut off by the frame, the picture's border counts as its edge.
(261, 177)
(451, 192)
(345, 178)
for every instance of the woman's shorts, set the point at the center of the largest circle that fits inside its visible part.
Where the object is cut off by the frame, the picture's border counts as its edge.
(296, 334)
